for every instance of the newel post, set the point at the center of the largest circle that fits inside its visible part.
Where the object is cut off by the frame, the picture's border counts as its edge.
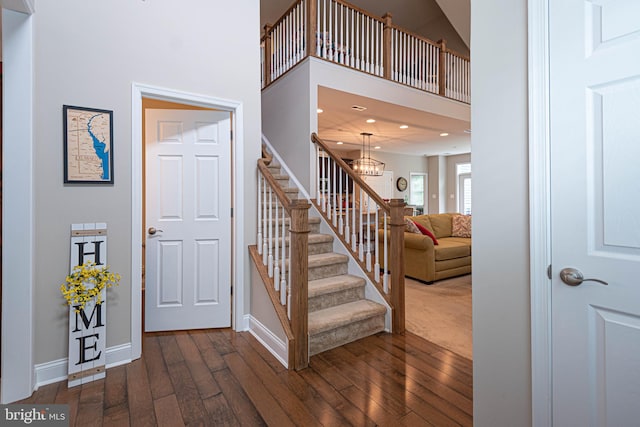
(386, 46)
(397, 264)
(312, 19)
(267, 54)
(299, 265)
(442, 83)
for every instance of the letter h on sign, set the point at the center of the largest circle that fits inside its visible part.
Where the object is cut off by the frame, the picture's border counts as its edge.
(87, 328)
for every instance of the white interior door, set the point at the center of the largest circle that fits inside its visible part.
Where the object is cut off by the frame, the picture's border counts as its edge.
(188, 220)
(595, 181)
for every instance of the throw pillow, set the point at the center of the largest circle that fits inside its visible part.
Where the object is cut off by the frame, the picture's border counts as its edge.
(410, 226)
(424, 230)
(461, 226)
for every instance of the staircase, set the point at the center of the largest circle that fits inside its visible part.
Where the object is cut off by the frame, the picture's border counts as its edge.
(338, 310)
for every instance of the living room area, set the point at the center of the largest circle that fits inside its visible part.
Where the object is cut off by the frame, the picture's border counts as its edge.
(427, 164)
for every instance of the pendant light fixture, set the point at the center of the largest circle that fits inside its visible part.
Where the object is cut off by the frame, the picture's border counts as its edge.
(365, 165)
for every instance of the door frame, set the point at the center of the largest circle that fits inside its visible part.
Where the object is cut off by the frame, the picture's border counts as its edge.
(139, 91)
(18, 257)
(540, 212)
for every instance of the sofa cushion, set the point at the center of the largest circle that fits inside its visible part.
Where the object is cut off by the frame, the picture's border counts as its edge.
(424, 221)
(450, 249)
(461, 226)
(410, 226)
(441, 224)
(426, 232)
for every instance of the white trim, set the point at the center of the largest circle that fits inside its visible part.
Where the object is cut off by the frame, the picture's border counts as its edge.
(286, 169)
(18, 259)
(56, 370)
(138, 91)
(539, 213)
(269, 340)
(23, 6)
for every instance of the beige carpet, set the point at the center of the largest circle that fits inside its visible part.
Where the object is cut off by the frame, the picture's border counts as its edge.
(441, 313)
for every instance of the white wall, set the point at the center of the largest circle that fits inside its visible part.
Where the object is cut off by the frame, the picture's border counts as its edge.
(401, 165)
(501, 303)
(289, 117)
(88, 54)
(287, 124)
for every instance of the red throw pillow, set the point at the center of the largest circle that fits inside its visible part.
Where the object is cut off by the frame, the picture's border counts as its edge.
(424, 230)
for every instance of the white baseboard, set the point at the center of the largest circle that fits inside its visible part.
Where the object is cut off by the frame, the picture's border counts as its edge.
(274, 344)
(246, 322)
(56, 370)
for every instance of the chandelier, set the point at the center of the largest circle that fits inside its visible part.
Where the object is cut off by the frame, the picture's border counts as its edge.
(365, 165)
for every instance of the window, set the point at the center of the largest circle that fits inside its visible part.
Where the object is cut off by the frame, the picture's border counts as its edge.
(463, 172)
(417, 188)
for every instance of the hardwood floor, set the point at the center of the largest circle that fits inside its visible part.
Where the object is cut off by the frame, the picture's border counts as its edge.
(224, 378)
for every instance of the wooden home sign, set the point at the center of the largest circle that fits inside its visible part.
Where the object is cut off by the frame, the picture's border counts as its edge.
(87, 328)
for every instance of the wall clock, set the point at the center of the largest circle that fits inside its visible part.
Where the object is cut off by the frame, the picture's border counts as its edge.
(401, 183)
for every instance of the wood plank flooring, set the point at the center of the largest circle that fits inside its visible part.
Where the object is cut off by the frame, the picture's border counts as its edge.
(224, 378)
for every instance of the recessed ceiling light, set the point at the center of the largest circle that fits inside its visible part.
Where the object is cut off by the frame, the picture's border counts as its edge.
(377, 147)
(444, 134)
(339, 143)
(358, 107)
(320, 110)
(467, 131)
(404, 127)
(371, 121)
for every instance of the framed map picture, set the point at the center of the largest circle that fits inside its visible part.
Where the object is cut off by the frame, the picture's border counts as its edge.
(88, 145)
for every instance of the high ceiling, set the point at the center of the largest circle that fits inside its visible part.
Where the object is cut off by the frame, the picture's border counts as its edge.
(340, 123)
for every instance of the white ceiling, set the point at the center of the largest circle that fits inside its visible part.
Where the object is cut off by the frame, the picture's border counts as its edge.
(339, 122)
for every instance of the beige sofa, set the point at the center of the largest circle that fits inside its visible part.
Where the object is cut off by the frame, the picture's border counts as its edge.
(427, 262)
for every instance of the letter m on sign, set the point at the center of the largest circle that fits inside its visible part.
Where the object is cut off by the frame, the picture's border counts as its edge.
(87, 329)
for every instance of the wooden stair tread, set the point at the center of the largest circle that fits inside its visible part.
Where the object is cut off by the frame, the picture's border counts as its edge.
(344, 314)
(331, 284)
(319, 260)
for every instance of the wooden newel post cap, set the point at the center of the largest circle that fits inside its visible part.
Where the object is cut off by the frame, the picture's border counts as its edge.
(387, 18)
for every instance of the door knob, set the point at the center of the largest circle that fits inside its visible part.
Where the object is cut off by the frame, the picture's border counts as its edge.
(153, 230)
(574, 277)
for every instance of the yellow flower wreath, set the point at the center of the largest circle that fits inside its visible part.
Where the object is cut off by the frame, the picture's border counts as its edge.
(87, 281)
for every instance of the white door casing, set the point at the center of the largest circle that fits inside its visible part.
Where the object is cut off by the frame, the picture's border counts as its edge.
(595, 210)
(188, 202)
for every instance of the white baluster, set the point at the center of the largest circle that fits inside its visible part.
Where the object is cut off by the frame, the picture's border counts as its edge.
(283, 269)
(259, 227)
(276, 268)
(368, 233)
(385, 273)
(334, 195)
(270, 257)
(361, 247)
(347, 202)
(353, 218)
(265, 255)
(376, 248)
(341, 202)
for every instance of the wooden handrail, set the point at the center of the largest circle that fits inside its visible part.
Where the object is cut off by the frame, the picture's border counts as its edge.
(282, 196)
(415, 35)
(356, 178)
(359, 10)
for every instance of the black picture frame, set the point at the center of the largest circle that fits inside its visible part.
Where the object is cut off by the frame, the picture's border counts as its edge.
(87, 145)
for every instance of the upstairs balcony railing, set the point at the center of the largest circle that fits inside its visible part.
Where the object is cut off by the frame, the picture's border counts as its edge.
(337, 31)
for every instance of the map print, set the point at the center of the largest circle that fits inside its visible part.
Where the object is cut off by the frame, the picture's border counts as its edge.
(88, 145)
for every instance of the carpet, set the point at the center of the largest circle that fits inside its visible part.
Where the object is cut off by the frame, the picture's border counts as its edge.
(441, 313)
